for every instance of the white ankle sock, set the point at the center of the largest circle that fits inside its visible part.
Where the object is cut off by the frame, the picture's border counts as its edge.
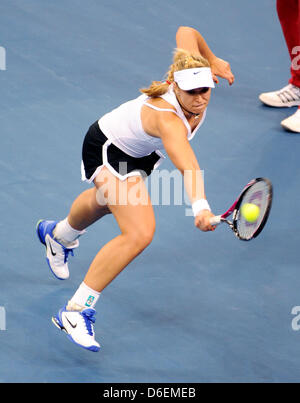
(84, 297)
(64, 233)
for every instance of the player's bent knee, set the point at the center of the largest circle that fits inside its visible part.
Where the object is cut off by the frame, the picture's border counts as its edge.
(141, 238)
(144, 238)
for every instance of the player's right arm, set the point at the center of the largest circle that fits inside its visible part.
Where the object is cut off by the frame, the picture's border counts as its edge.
(173, 134)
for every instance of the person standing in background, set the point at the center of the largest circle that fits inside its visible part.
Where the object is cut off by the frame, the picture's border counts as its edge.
(289, 16)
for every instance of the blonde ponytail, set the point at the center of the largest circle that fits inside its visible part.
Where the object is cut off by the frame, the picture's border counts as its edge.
(182, 59)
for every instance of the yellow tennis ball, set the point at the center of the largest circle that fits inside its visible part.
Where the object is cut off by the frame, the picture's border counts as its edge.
(250, 212)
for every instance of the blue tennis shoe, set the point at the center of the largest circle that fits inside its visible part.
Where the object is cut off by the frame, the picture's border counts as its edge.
(56, 253)
(79, 327)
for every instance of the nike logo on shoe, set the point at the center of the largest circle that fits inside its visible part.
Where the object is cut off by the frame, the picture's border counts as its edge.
(73, 326)
(52, 252)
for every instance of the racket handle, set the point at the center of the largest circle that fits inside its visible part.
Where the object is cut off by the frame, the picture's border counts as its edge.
(215, 220)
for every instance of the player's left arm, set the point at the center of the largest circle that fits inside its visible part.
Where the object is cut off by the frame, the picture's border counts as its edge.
(190, 39)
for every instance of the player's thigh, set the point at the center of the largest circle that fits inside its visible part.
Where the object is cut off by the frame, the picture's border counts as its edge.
(93, 202)
(129, 202)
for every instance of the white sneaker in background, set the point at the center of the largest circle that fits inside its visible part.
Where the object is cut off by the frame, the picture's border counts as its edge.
(292, 123)
(286, 97)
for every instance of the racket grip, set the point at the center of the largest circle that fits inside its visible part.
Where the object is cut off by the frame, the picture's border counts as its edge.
(215, 220)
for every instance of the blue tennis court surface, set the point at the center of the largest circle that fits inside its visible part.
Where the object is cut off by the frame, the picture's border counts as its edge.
(194, 307)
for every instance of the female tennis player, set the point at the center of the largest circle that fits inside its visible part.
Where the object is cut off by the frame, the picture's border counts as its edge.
(119, 150)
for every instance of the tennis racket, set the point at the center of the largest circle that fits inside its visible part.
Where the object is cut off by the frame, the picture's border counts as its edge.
(259, 191)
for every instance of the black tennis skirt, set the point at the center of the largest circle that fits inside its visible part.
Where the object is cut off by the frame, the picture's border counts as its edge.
(98, 151)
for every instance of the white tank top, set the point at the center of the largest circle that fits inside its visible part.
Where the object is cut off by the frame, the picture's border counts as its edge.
(123, 125)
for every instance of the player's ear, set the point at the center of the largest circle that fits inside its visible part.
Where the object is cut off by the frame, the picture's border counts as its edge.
(176, 88)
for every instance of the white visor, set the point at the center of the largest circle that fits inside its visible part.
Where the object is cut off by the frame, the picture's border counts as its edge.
(189, 79)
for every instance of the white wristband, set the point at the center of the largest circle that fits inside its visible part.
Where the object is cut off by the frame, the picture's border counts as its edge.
(200, 205)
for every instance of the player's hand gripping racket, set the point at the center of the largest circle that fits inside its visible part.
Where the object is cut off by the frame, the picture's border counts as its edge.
(259, 191)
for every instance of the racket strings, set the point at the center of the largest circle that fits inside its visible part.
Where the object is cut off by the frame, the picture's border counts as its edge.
(259, 194)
